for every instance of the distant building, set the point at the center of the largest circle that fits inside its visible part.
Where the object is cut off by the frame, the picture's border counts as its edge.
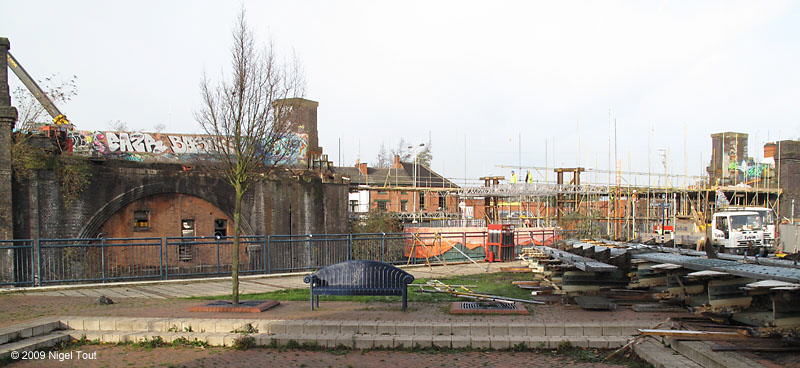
(728, 151)
(395, 190)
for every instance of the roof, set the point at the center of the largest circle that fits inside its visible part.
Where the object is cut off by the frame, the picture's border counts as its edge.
(397, 177)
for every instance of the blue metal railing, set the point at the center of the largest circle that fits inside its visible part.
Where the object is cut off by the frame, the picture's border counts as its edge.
(37, 262)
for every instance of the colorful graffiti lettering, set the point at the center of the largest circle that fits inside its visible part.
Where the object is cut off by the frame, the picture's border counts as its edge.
(140, 146)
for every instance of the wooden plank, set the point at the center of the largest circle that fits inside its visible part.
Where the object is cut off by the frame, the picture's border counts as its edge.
(695, 335)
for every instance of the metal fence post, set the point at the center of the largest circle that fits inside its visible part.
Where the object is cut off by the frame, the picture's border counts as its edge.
(309, 256)
(103, 260)
(219, 266)
(350, 246)
(383, 245)
(164, 261)
(268, 266)
(38, 259)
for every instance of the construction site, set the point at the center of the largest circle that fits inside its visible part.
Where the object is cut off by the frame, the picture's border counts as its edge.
(121, 239)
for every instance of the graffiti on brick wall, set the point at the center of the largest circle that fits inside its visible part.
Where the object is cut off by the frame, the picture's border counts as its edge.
(141, 146)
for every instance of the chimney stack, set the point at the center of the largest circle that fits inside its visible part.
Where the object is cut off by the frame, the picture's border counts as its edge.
(362, 168)
(396, 164)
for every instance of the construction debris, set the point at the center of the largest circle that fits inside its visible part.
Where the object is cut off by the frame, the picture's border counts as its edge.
(461, 291)
(695, 335)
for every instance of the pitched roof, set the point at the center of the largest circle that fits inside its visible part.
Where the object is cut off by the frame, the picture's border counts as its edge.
(401, 177)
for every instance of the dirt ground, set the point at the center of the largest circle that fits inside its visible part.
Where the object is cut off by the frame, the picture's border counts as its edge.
(129, 356)
(19, 308)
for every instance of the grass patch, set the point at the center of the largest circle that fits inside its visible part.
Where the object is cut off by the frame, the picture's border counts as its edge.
(486, 283)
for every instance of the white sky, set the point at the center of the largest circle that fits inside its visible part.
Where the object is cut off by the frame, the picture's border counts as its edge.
(474, 75)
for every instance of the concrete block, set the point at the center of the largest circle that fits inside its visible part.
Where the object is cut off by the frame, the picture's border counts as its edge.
(573, 329)
(442, 342)
(460, 329)
(330, 328)
(312, 329)
(121, 324)
(348, 328)
(108, 324)
(25, 331)
(403, 342)
(500, 342)
(441, 329)
(459, 341)
(114, 337)
(75, 323)
(423, 329)
(479, 330)
(536, 330)
(92, 324)
(554, 341)
(328, 341)
(538, 342)
(515, 341)
(404, 328)
(592, 330)
(517, 329)
(611, 330)
(276, 328)
(207, 325)
(598, 342)
(385, 328)
(577, 341)
(262, 339)
(367, 328)
(382, 341)
(345, 340)
(362, 342)
(219, 340)
(294, 327)
(498, 329)
(554, 329)
(615, 342)
(481, 342)
(424, 341)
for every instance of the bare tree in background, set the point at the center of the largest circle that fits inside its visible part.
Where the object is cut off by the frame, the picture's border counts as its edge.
(247, 117)
(118, 125)
(31, 112)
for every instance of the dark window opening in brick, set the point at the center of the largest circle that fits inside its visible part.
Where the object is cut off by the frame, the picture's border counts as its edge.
(404, 206)
(421, 201)
(442, 201)
(220, 227)
(185, 249)
(141, 220)
(382, 205)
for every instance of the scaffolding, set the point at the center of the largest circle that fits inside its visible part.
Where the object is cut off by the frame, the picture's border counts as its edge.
(618, 210)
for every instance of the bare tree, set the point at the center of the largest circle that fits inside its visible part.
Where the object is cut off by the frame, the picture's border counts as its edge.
(118, 125)
(384, 159)
(246, 115)
(30, 111)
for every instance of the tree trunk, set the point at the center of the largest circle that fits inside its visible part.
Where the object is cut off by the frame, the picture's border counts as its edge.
(237, 215)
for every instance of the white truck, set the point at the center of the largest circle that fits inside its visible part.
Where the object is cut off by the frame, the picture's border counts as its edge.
(739, 231)
(767, 221)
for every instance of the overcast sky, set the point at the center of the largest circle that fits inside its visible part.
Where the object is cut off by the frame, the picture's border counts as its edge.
(476, 76)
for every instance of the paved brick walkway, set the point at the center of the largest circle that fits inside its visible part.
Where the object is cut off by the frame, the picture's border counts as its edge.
(222, 286)
(126, 356)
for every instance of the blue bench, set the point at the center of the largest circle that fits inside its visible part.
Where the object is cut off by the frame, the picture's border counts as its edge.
(359, 278)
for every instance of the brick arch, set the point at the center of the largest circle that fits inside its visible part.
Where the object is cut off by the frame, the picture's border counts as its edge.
(219, 199)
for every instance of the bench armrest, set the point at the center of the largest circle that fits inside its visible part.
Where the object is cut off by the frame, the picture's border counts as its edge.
(407, 279)
(311, 279)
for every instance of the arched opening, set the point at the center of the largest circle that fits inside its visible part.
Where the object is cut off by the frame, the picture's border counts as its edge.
(167, 215)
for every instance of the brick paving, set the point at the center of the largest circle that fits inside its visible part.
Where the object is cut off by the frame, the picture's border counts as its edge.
(129, 356)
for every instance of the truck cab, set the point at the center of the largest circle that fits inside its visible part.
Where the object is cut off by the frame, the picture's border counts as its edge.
(738, 232)
(767, 221)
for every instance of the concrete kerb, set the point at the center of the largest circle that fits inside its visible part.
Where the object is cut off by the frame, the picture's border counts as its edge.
(29, 289)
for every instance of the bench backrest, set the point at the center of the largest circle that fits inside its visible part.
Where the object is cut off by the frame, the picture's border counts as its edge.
(363, 274)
